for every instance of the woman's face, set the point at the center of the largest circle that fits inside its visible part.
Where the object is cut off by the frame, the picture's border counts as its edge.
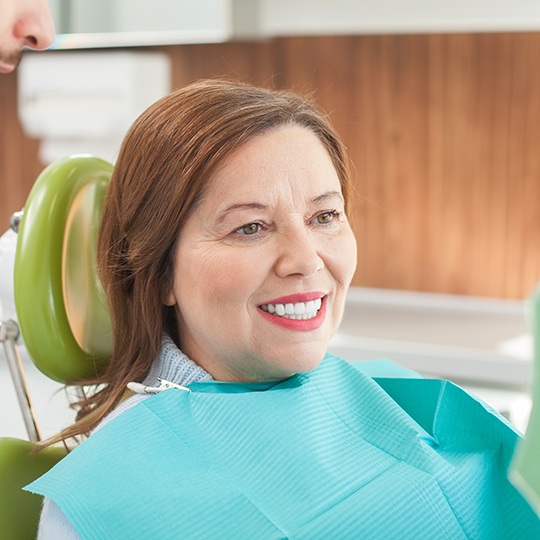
(263, 264)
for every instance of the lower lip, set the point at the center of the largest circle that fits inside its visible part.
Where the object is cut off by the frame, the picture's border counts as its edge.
(298, 325)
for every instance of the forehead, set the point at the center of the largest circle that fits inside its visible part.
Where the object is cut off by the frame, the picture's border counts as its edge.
(286, 162)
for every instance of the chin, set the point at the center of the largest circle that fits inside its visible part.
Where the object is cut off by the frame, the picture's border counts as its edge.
(302, 363)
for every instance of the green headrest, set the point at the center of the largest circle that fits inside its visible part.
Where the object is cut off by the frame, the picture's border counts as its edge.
(59, 300)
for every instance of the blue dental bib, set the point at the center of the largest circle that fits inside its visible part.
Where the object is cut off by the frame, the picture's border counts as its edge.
(332, 453)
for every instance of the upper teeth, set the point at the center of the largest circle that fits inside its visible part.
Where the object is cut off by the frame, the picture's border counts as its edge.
(299, 310)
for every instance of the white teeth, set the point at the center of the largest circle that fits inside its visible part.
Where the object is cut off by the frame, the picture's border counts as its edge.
(299, 310)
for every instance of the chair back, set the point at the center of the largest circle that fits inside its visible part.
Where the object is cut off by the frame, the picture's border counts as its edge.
(61, 312)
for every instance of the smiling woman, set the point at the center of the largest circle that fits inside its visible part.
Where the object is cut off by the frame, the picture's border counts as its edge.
(225, 254)
(270, 232)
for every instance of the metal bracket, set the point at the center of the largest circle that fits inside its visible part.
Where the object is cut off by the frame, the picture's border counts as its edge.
(9, 332)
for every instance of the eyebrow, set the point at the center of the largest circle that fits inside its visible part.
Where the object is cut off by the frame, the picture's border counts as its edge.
(240, 206)
(260, 206)
(328, 195)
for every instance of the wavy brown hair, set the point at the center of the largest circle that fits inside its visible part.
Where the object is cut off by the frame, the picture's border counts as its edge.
(164, 165)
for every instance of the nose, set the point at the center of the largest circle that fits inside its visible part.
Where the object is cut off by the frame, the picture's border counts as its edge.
(299, 254)
(35, 28)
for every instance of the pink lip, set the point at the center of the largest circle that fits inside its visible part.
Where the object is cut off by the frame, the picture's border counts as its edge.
(293, 324)
(298, 297)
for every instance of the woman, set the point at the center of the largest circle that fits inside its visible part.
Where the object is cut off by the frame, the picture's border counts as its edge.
(226, 254)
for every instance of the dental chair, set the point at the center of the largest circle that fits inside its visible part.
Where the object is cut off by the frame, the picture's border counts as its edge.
(61, 314)
(63, 319)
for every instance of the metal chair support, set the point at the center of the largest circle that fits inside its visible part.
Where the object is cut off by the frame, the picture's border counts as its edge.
(9, 332)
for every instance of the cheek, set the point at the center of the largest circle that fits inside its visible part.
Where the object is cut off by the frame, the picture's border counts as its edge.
(351, 251)
(342, 257)
(224, 277)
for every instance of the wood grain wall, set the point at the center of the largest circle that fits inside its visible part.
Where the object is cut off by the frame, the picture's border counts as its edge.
(443, 131)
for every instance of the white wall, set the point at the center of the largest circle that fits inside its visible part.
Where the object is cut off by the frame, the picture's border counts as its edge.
(142, 16)
(189, 21)
(171, 15)
(286, 17)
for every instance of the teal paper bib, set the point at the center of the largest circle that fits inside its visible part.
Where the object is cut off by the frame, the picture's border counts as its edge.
(330, 454)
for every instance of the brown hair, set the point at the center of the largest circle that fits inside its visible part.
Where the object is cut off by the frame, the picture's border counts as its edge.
(163, 167)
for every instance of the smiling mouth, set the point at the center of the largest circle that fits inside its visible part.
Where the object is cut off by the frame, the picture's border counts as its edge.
(300, 311)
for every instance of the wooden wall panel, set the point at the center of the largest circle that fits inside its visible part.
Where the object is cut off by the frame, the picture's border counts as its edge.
(250, 62)
(19, 165)
(443, 131)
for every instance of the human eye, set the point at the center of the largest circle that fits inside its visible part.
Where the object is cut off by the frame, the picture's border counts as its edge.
(249, 229)
(327, 217)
